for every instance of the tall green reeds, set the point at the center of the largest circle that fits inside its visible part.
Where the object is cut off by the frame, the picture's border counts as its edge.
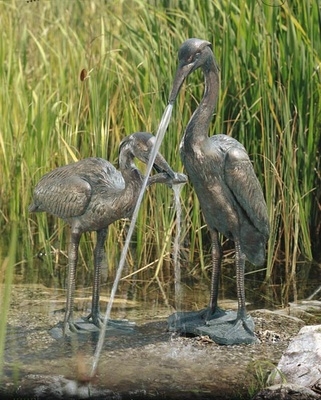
(269, 55)
(6, 279)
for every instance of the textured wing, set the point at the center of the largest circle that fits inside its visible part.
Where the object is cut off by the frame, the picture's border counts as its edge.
(103, 177)
(61, 194)
(67, 191)
(243, 183)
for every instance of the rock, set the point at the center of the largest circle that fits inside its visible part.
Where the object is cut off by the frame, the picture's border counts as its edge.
(299, 367)
(273, 326)
(307, 310)
(287, 391)
(300, 364)
(58, 387)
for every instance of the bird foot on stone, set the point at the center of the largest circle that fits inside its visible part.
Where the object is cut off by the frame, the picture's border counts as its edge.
(72, 328)
(229, 331)
(85, 325)
(98, 321)
(187, 322)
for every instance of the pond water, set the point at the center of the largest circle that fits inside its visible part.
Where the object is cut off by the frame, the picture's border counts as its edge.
(147, 362)
(144, 363)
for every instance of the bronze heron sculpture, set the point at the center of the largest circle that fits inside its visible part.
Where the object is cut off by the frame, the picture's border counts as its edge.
(91, 194)
(230, 197)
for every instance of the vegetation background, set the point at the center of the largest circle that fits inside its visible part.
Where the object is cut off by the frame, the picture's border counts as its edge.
(269, 54)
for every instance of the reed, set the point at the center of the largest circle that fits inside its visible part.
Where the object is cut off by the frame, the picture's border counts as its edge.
(270, 73)
(6, 278)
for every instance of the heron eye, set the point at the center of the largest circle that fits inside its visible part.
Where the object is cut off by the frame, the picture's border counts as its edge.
(196, 56)
(143, 147)
(193, 57)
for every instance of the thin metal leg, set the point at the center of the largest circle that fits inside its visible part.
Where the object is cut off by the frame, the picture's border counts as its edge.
(72, 265)
(99, 255)
(240, 266)
(216, 271)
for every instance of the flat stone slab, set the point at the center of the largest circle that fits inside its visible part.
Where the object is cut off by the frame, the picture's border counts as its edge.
(301, 362)
(286, 391)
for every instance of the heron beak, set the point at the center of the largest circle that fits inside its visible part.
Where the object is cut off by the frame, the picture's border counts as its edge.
(182, 72)
(143, 153)
(161, 165)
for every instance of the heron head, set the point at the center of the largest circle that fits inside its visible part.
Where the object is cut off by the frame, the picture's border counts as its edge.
(193, 53)
(140, 145)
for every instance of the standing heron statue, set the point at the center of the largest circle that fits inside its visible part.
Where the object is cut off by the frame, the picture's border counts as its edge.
(90, 195)
(230, 197)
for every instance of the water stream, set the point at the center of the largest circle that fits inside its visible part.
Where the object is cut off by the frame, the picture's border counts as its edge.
(159, 138)
(176, 247)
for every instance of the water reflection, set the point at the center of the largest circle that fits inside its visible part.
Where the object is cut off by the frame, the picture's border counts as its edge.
(148, 360)
(195, 285)
(46, 265)
(165, 362)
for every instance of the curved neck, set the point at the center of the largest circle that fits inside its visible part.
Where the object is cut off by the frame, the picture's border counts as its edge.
(126, 158)
(197, 128)
(128, 168)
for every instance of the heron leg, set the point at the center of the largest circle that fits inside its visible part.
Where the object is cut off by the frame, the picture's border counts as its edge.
(240, 269)
(72, 265)
(216, 271)
(95, 315)
(242, 316)
(215, 313)
(189, 321)
(233, 330)
(98, 259)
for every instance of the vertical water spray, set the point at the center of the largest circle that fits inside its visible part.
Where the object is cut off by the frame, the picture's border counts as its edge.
(176, 247)
(159, 138)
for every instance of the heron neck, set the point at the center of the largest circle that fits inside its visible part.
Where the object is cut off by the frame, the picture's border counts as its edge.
(133, 179)
(197, 128)
(126, 164)
(126, 158)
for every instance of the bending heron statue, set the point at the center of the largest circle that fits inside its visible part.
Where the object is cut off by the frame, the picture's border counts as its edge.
(230, 197)
(90, 195)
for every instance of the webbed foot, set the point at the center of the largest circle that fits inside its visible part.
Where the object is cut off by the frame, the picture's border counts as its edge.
(71, 329)
(87, 325)
(188, 321)
(98, 321)
(230, 331)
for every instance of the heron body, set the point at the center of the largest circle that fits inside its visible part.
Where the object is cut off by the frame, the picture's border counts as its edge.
(234, 211)
(91, 194)
(230, 197)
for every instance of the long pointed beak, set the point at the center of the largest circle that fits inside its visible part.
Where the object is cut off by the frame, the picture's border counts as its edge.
(182, 72)
(161, 165)
(143, 153)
